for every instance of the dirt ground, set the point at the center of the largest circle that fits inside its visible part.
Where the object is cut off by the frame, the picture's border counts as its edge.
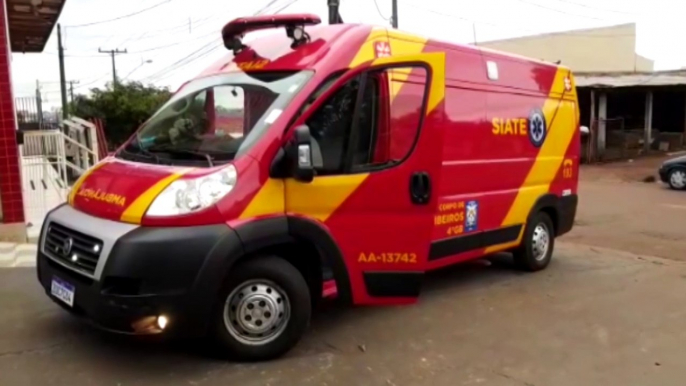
(604, 313)
(618, 210)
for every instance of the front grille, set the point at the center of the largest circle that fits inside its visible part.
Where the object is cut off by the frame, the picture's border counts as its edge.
(72, 248)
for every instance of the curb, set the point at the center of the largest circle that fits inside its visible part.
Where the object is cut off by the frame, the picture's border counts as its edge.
(14, 255)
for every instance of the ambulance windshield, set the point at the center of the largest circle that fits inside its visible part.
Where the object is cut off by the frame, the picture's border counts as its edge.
(214, 119)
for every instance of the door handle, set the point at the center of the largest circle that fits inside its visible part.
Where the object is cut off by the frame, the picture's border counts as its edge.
(420, 188)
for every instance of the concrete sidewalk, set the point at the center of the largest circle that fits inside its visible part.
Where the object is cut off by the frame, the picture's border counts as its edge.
(17, 255)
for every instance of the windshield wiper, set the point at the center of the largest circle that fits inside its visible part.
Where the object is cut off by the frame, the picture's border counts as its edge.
(148, 153)
(139, 150)
(171, 150)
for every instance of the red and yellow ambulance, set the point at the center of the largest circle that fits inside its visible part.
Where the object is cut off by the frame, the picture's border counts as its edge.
(351, 153)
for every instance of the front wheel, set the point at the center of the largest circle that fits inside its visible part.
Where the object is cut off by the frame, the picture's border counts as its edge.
(538, 243)
(263, 310)
(677, 179)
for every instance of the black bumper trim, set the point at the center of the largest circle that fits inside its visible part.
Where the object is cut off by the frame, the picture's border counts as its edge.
(455, 245)
(393, 284)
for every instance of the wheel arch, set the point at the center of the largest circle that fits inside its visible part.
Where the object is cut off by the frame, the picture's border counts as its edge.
(292, 237)
(550, 205)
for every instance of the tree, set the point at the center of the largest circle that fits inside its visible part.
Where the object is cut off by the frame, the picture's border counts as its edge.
(122, 107)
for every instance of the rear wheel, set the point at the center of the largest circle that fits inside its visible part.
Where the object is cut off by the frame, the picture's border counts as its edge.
(677, 178)
(537, 246)
(263, 310)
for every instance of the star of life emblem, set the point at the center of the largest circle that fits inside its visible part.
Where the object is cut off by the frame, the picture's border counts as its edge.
(537, 128)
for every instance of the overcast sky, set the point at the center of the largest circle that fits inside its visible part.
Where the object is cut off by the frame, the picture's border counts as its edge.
(181, 37)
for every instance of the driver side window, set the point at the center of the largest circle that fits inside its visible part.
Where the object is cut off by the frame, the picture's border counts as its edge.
(330, 127)
(370, 129)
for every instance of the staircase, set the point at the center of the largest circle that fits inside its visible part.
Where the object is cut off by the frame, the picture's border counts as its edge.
(51, 161)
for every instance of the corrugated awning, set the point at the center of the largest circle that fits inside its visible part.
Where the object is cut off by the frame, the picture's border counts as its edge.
(31, 22)
(620, 79)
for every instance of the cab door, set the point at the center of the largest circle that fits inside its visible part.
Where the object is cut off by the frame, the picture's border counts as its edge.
(378, 129)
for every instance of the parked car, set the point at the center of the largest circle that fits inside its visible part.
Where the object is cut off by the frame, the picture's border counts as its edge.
(673, 172)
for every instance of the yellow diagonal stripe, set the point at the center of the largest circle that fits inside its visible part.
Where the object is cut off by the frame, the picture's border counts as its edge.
(269, 200)
(403, 44)
(135, 212)
(320, 198)
(435, 60)
(81, 180)
(560, 115)
(366, 51)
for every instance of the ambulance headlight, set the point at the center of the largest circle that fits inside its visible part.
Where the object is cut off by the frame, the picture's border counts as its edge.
(190, 195)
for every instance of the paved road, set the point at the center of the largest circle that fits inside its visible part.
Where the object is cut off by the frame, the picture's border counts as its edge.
(595, 317)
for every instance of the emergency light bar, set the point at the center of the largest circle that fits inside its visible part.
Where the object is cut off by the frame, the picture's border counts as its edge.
(235, 30)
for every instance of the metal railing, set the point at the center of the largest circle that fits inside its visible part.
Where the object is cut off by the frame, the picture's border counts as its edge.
(51, 161)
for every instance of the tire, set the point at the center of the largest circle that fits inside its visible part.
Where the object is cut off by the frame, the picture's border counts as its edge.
(262, 311)
(530, 258)
(677, 178)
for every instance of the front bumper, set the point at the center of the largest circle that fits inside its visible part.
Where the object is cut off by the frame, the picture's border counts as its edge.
(142, 272)
(664, 174)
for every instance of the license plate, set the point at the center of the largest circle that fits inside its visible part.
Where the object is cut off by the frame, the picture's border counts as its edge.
(63, 291)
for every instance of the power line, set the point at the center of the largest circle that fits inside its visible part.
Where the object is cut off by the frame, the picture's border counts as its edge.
(164, 73)
(120, 17)
(206, 49)
(171, 28)
(596, 8)
(171, 71)
(264, 9)
(379, 10)
(558, 10)
(286, 6)
(183, 61)
(179, 30)
(101, 77)
(175, 44)
(172, 44)
(513, 27)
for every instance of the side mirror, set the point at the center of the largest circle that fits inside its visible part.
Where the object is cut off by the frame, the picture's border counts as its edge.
(303, 168)
(584, 130)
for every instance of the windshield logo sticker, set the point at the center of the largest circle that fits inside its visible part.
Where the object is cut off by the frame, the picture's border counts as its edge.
(99, 195)
(382, 49)
(537, 128)
(252, 65)
(471, 220)
(273, 115)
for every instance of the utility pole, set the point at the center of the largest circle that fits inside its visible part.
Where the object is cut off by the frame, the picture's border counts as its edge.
(63, 81)
(39, 104)
(71, 89)
(334, 15)
(113, 53)
(394, 15)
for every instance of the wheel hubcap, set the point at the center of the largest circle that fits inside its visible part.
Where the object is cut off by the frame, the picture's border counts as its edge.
(256, 312)
(678, 179)
(540, 242)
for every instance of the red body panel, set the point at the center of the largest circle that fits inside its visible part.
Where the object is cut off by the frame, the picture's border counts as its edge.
(473, 142)
(120, 178)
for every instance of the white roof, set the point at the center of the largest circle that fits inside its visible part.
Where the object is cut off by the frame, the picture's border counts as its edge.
(624, 79)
